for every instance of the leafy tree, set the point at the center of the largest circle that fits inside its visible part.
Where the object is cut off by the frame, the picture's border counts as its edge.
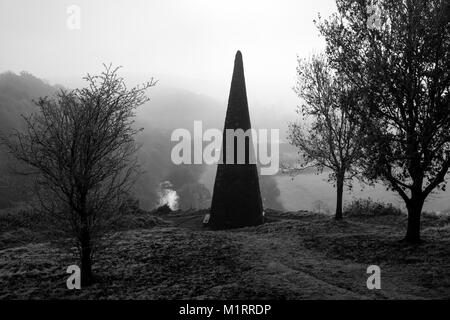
(400, 66)
(331, 141)
(81, 146)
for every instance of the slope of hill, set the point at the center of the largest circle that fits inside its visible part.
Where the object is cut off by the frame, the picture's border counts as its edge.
(16, 98)
(296, 256)
(169, 108)
(16, 95)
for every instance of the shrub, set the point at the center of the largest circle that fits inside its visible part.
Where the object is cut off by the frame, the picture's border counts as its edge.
(20, 217)
(369, 207)
(162, 210)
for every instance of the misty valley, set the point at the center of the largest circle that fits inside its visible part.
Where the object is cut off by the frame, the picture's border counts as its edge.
(200, 152)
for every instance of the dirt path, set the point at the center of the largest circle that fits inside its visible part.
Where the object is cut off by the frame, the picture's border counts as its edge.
(282, 263)
(285, 260)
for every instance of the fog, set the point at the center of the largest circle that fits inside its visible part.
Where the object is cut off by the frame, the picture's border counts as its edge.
(188, 44)
(189, 47)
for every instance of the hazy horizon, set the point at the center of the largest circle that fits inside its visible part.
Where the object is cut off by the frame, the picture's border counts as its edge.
(185, 44)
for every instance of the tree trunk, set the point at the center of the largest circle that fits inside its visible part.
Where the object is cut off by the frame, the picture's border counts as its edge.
(86, 261)
(86, 252)
(414, 212)
(340, 191)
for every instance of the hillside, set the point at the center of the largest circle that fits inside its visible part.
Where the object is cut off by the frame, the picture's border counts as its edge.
(295, 256)
(17, 92)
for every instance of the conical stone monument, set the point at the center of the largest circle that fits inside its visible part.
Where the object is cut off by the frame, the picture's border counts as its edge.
(236, 198)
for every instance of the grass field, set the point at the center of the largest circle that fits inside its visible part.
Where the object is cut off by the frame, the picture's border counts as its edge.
(295, 256)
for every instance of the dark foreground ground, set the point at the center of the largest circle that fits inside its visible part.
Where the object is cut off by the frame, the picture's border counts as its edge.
(295, 256)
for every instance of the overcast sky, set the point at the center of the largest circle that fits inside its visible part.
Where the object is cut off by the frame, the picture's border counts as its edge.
(191, 43)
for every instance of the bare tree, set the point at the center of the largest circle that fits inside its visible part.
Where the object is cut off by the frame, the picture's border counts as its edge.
(81, 146)
(401, 66)
(332, 140)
